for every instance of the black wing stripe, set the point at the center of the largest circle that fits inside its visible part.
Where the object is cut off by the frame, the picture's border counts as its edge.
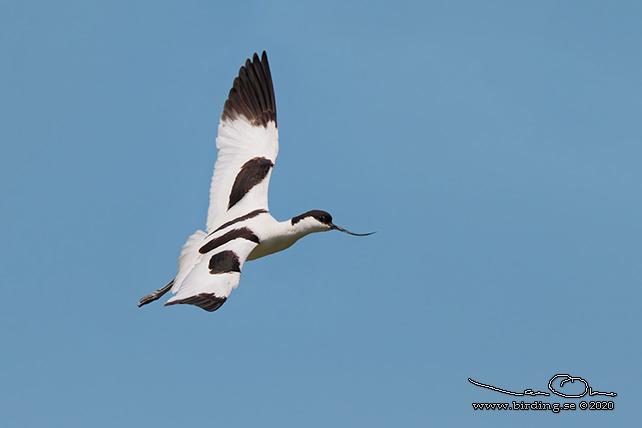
(239, 219)
(252, 173)
(224, 262)
(233, 234)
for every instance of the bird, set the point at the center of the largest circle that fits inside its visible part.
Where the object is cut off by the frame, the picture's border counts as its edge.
(239, 224)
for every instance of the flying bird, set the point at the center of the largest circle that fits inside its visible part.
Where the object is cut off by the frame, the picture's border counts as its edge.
(239, 224)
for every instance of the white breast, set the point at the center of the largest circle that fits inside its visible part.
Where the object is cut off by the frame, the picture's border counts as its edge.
(272, 245)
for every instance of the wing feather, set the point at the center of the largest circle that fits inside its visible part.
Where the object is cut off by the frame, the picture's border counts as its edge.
(214, 275)
(247, 131)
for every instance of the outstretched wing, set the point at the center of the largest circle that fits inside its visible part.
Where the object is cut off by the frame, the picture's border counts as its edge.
(216, 268)
(248, 145)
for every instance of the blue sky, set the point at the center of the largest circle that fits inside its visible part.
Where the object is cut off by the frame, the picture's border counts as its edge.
(494, 146)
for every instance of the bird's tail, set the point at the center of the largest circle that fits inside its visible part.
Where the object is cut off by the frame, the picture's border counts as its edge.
(186, 261)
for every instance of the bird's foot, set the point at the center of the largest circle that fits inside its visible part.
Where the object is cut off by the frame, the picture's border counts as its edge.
(156, 294)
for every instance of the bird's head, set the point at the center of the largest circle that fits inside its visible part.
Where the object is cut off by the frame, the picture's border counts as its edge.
(320, 221)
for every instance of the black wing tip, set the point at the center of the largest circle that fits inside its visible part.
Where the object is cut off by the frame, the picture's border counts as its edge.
(252, 93)
(207, 301)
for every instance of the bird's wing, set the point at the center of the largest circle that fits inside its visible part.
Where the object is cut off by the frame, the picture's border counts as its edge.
(248, 145)
(215, 267)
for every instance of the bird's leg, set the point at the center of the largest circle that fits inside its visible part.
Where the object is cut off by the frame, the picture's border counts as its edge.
(156, 294)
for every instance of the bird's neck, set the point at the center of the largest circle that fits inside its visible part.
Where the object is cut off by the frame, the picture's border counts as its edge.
(280, 236)
(298, 230)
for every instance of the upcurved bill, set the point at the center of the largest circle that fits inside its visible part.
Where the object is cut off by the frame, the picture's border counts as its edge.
(335, 227)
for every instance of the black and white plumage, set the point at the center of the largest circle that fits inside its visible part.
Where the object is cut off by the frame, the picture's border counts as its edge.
(239, 225)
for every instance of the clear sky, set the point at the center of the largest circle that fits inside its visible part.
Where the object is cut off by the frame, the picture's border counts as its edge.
(496, 147)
